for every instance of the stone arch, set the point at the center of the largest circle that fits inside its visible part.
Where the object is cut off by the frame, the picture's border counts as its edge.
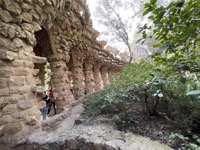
(43, 41)
(42, 50)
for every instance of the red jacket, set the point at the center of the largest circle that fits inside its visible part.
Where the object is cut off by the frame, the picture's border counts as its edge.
(51, 94)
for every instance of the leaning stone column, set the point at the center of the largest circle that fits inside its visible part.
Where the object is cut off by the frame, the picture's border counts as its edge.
(58, 63)
(104, 75)
(88, 76)
(60, 81)
(97, 76)
(77, 74)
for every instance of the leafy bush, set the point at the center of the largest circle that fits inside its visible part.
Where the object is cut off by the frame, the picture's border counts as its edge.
(103, 102)
(160, 90)
(186, 143)
(124, 120)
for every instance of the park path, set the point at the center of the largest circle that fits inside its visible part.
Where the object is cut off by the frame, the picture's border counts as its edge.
(58, 134)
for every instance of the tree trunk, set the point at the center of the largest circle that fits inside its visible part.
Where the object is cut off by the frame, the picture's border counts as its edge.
(146, 102)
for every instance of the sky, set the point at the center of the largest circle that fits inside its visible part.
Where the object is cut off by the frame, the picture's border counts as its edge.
(92, 5)
(119, 45)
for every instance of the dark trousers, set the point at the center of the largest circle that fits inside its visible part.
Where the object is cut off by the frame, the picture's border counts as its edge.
(54, 108)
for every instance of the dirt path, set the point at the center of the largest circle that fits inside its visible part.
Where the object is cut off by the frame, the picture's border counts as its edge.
(70, 136)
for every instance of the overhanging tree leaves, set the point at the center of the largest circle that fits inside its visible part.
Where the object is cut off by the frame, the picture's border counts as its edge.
(176, 27)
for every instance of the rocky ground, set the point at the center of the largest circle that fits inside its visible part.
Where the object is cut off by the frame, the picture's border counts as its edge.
(157, 128)
(70, 131)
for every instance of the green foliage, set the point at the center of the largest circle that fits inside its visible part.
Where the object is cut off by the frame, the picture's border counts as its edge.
(47, 76)
(176, 27)
(103, 102)
(116, 98)
(96, 103)
(170, 86)
(160, 90)
(123, 120)
(185, 142)
(134, 75)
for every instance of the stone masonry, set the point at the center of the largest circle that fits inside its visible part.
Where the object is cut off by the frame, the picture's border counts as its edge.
(32, 33)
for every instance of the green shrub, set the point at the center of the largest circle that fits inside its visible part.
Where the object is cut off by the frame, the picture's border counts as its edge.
(160, 90)
(186, 143)
(103, 102)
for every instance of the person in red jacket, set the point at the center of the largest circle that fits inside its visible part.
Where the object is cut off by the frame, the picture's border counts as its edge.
(52, 98)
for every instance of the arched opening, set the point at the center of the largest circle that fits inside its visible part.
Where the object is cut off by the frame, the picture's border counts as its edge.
(42, 50)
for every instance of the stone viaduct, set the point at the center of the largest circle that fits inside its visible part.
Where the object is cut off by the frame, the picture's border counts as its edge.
(34, 32)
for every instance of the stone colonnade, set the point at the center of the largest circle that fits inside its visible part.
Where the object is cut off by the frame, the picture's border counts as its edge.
(71, 39)
(88, 76)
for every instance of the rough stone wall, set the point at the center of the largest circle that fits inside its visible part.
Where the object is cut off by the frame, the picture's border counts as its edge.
(91, 55)
(58, 63)
(41, 73)
(68, 41)
(88, 76)
(19, 113)
(60, 82)
(67, 30)
(18, 103)
(77, 72)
